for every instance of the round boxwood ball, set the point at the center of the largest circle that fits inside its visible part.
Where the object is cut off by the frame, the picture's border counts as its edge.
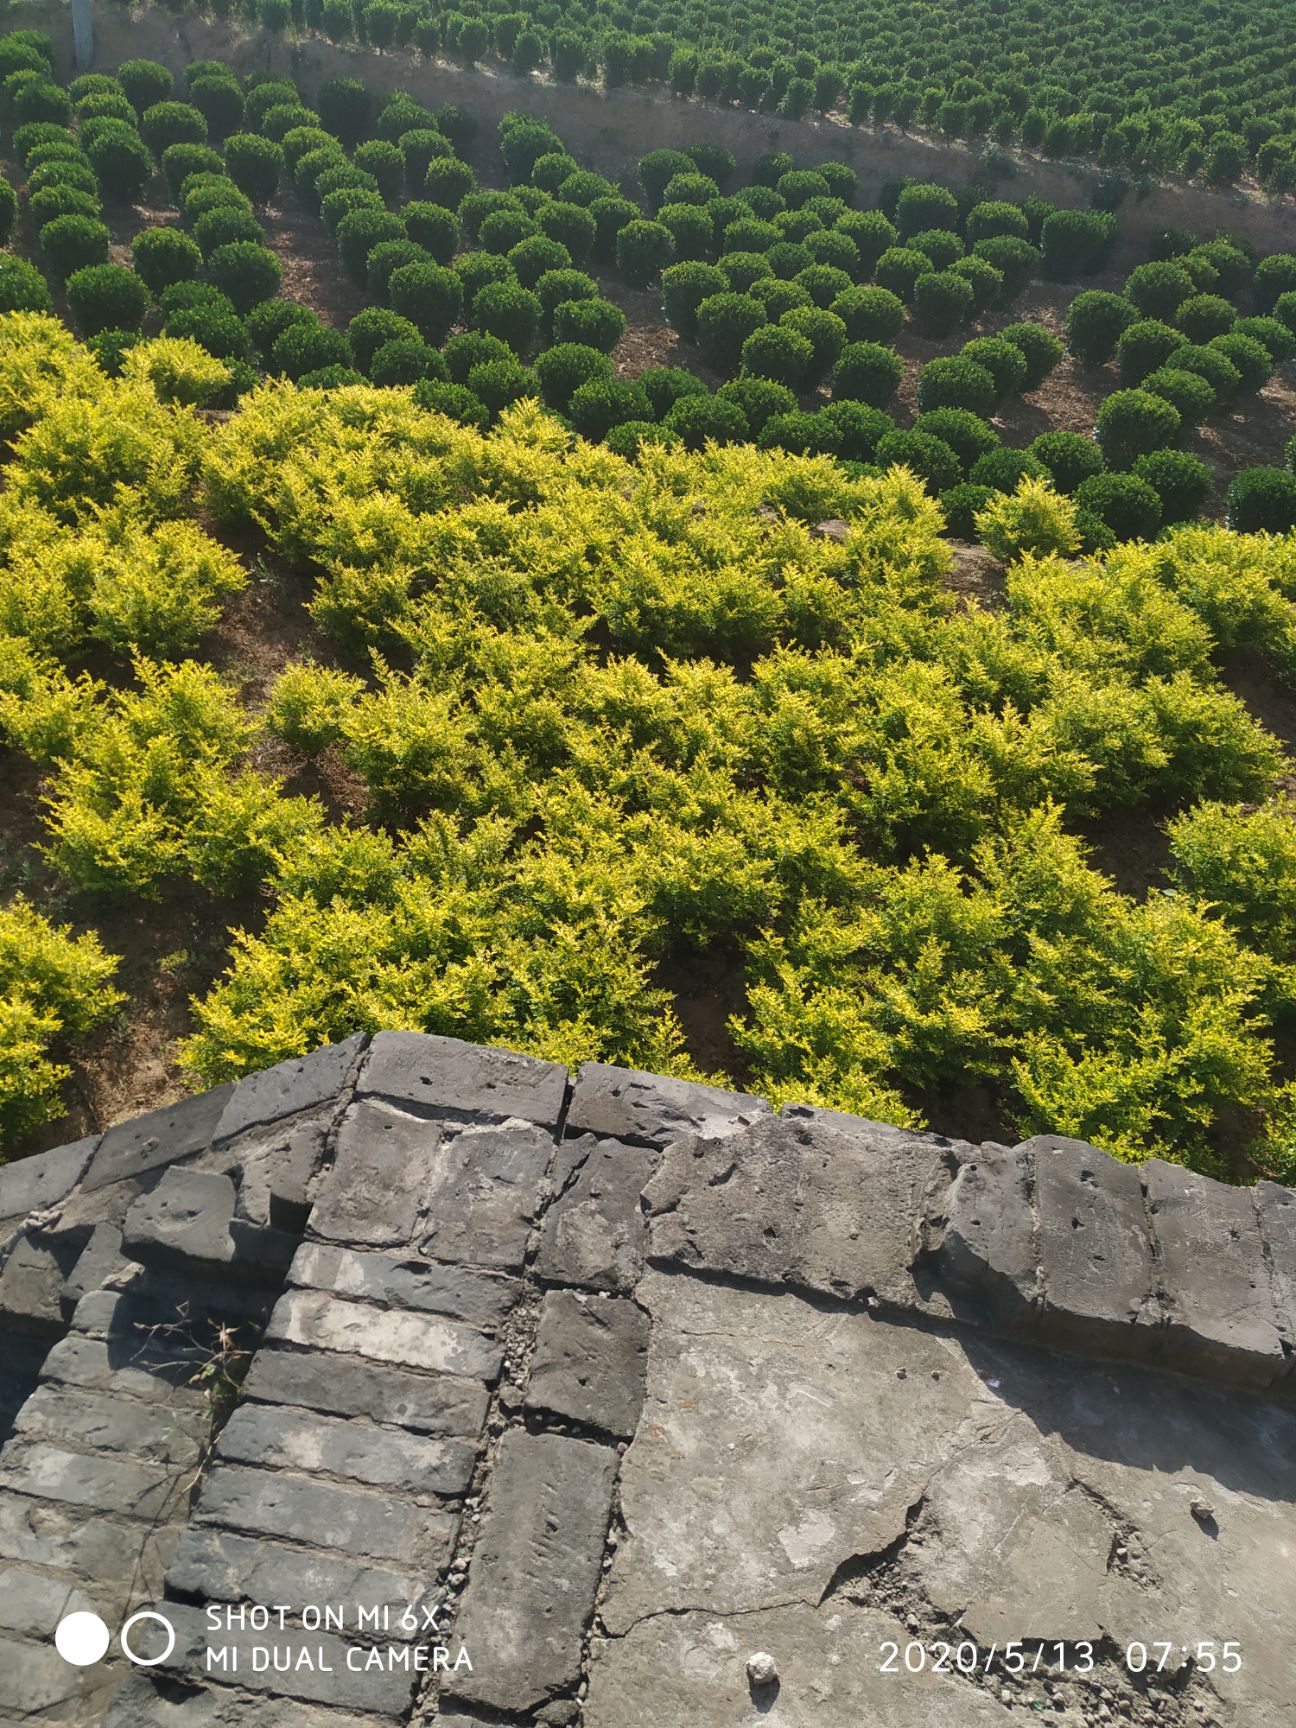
(953, 381)
(1181, 481)
(1126, 505)
(1261, 501)
(931, 459)
(867, 372)
(106, 297)
(1069, 458)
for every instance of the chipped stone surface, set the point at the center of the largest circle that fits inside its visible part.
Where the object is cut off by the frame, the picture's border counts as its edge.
(217, 1565)
(153, 1701)
(796, 1200)
(590, 1360)
(405, 1281)
(359, 1521)
(627, 1104)
(346, 1386)
(535, 1571)
(289, 1088)
(31, 1184)
(160, 1137)
(595, 1232)
(445, 1077)
(407, 1464)
(1096, 1259)
(981, 1239)
(1220, 1295)
(318, 1321)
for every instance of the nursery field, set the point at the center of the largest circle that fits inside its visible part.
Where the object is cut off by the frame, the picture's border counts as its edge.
(443, 587)
(1201, 90)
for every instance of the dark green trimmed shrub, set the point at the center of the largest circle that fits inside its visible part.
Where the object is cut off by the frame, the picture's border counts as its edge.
(961, 505)
(22, 287)
(501, 230)
(163, 256)
(563, 368)
(181, 160)
(602, 403)
(741, 269)
(1017, 260)
(596, 323)
(684, 288)
(223, 226)
(1145, 346)
(386, 163)
(370, 329)
(360, 232)
(823, 330)
(430, 296)
(778, 297)
(471, 348)
(967, 435)
(330, 378)
(106, 297)
(871, 233)
(941, 302)
(1123, 503)
(938, 245)
(643, 250)
(387, 257)
(952, 381)
(405, 360)
(992, 219)
(346, 108)
(1159, 289)
(455, 401)
(1133, 422)
(476, 269)
(533, 257)
(986, 282)
(724, 322)
(434, 228)
(1275, 277)
(899, 269)
(823, 283)
(172, 123)
(1182, 482)
(851, 430)
(52, 201)
(922, 206)
(664, 385)
(248, 273)
(1003, 360)
(867, 372)
(144, 82)
(1203, 316)
(343, 200)
(1261, 501)
(121, 162)
(74, 243)
(419, 149)
(702, 419)
(778, 353)
(1004, 470)
(1216, 368)
(759, 400)
(1188, 393)
(255, 165)
(870, 314)
(307, 347)
(1275, 338)
(509, 311)
(557, 286)
(570, 226)
(1095, 323)
(1069, 459)
(1249, 356)
(219, 331)
(220, 102)
(934, 463)
(1076, 242)
(269, 320)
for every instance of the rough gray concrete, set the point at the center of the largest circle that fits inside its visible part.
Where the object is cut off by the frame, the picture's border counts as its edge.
(632, 1405)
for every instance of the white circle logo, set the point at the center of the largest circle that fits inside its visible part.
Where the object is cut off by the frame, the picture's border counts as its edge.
(147, 1661)
(81, 1639)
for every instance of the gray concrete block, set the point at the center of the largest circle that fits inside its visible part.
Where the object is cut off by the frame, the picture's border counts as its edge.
(31, 1184)
(144, 1369)
(591, 1361)
(31, 1283)
(1100, 1280)
(154, 1701)
(317, 1321)
(362, 1522)
(1276, 1210)
(112, 1555)
(121, 1486)
(157, 1432)
(485, 1196)
(218, 1566)
(311, 1082)
(283, 1438)
(979, 1238)
(405, 1281)
(178, 1314)
(313, 1665)
(627, 1104)
(347, 1386)
(36, 1684)
(375, 1190)
(1222, 1319)
(828, 1207)
(159, 1137)
(448, 1078)
(187, 1224)
(99, 1260)
(536, 1570)
(595, 1232)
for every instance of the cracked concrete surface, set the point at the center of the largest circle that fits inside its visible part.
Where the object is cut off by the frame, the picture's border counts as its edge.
(811, 1481)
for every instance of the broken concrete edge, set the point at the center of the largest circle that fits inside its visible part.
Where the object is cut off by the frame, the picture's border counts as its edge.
(1187, 1274)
